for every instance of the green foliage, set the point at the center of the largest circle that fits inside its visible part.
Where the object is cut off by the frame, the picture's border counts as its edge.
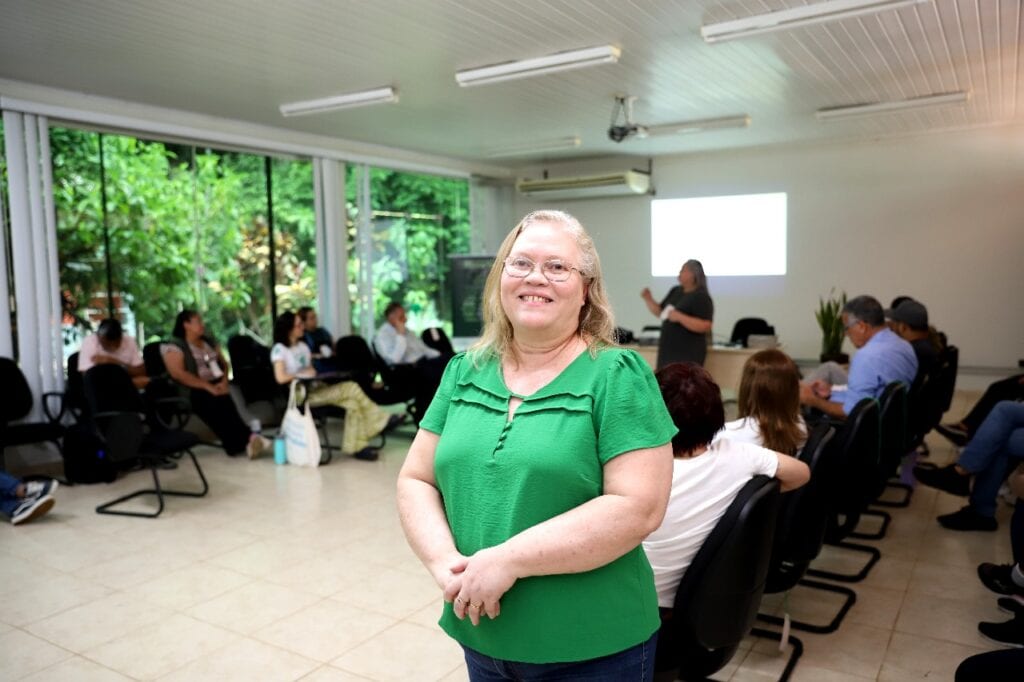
(830, 320)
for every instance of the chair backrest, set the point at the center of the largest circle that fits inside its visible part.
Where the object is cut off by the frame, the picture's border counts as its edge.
(116, 409)
(353, 354)
(804, 512)
(949, 363)
(745, 326)
(16, 402)
(252, 369)
(74, 389)
(857, 441)
(436, 338)
(892, 420)
(153, 359)
(719, 595)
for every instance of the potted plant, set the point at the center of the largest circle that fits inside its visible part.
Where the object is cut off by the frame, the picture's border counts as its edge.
(830, 319)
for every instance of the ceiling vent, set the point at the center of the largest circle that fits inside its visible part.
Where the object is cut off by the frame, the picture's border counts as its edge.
(627, 183)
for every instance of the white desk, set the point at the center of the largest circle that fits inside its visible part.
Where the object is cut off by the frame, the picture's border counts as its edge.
(724, 364)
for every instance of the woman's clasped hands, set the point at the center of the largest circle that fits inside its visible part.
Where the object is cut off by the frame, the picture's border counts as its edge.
(474, 585)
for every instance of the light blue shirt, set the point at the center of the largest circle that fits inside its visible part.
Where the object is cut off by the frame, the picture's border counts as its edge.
(885, 358)
(398, 349)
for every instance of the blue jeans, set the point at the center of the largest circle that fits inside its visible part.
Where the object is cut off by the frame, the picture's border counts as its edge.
(635, 663)
(9, 499)
(997, 446)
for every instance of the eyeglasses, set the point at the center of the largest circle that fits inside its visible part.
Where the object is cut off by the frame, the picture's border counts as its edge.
(553, 270)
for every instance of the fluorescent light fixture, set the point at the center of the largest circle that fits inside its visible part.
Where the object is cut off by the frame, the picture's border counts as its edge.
(527, 149)
(561, 61)
(700, 125)
(353, 99)
(804, 15)
(856, 110)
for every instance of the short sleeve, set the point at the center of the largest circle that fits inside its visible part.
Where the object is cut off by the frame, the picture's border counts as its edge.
(437, 414)
(704, 307)
(629, 412)
(169, 349)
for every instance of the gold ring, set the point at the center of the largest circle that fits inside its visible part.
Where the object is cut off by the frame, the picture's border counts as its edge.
(476, 606)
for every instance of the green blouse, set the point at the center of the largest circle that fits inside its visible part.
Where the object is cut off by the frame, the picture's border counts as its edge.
(499, 477)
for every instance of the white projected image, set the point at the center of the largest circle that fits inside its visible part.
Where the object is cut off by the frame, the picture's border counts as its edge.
(730, 235)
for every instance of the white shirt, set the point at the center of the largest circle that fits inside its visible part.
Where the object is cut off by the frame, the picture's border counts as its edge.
(703, 487)
(747, 430)
(398, 349)
(126, 354)
(295, 358)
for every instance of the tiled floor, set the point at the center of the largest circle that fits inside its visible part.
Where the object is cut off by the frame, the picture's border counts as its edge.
(284, 574)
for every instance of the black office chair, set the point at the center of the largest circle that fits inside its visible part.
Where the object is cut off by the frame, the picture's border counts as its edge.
(436, 338)
(74, 391)
(119, 416)
(16, 403)
(718, 597)
(800, 532)
(164, 397)
(745, 326)
(356, 358)
(893, 446)
(857, 441)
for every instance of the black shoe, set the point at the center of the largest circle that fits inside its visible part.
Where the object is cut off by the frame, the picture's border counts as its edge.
(367, 455)
(954, 434)
(1011, 606)
(1010, 633)
(967, 519)
(944, 478)
(999, 579)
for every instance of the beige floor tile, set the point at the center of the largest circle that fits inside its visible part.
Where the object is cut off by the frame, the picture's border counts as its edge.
(162, 647)
(875, 607)
(807, 673)
(327, 673)
(951, 620)
(325, 574)
(45, 595)
(889, 573)
(23, 654)
(393, 593)
(89, 625)
(324, 630)
(262, 558)
(960, 582)
(856, 650)
(78, 669)
(403, 652)
(426, 617)
(252, 606)
(188, 586)
(136, 568)
(247, 660)
(460, 674)
(912, 657)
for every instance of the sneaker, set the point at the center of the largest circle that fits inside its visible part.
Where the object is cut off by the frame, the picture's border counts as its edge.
(1011, 605)
(32, 508)
(40, 488)
(946, 478)
(368, 455)
(967, 519)
(999, 579)
(1010, 633)
(954, 433)
(257, 446)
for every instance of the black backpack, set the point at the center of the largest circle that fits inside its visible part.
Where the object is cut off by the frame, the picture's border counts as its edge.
(85, 459)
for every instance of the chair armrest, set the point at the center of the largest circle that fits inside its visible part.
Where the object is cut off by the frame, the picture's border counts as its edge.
(61, 396)
(171, 413)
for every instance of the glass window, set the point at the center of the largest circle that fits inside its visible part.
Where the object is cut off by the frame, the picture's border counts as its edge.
(294, 234)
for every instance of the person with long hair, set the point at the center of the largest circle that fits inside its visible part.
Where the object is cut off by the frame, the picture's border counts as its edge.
(769, 404)
(686, 313)
(293, 360)
(201, 370)
(539, 467)
(707, 474)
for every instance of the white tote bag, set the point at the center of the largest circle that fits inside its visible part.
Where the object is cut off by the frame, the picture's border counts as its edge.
(302, 441)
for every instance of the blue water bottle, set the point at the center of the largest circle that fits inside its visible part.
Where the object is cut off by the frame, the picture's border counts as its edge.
(280, 451)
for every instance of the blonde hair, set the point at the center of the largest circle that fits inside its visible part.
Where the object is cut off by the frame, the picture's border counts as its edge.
(770, 394)
(596, 323)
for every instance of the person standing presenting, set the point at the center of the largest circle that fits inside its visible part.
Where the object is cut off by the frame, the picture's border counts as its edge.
(540, 466)
(686, 313)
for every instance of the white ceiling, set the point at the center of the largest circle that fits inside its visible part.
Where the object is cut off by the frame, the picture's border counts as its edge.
(241, 59)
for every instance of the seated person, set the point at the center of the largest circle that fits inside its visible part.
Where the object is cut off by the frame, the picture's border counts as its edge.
(22, 501)
(706, 474)
(769, 404)
(996, 448)
(201, 370)
(319, 340)
(109, 345)
(909, 320)
(959, 433)
(883, 357)
(400, 348)
(364, 419)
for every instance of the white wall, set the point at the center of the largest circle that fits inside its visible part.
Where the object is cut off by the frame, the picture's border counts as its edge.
(937, 217)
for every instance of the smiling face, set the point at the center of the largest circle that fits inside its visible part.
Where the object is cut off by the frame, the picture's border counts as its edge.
(536, 307)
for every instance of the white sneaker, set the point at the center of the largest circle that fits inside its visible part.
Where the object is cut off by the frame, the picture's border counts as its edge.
(40, 488)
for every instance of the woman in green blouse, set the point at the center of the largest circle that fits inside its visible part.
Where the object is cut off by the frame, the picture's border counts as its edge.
(540, 466)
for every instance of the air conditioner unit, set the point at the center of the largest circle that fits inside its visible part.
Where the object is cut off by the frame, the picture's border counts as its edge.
(627, 183)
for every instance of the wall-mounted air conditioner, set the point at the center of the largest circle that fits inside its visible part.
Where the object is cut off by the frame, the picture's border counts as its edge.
(626, 183)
